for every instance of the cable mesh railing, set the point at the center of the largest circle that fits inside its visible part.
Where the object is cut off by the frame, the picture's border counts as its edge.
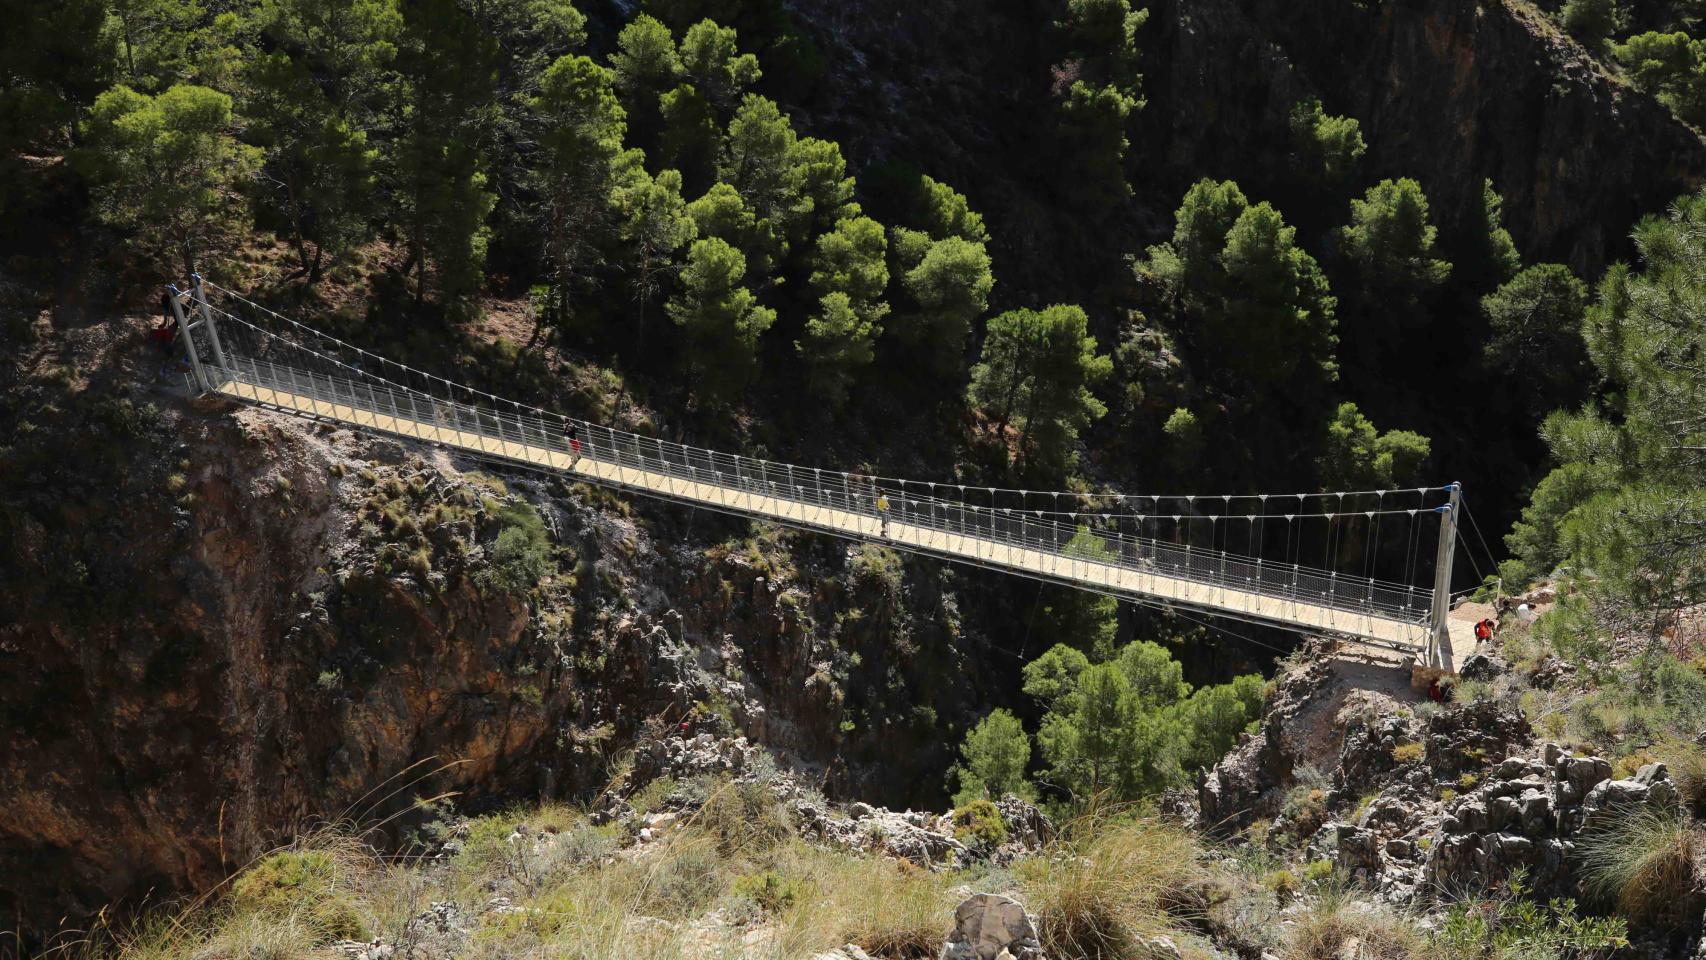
(255, 364)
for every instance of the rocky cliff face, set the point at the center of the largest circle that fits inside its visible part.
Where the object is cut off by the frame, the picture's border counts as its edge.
(228, 625)
(1448, 93)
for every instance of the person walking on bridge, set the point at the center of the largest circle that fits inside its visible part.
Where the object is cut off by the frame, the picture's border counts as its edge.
(575, 443)
(883, 513)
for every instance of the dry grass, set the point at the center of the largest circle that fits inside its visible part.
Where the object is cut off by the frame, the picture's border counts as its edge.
(1337, 926)
(1108, 887)
(1686, 762)
(1098, 894)
(1644, 863)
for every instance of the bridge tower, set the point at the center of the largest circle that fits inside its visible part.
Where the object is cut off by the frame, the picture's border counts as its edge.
(1447, 551)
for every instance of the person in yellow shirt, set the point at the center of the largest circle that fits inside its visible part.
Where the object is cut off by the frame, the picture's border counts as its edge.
(883, 512)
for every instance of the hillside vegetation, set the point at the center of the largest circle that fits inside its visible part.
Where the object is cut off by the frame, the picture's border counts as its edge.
(1085, 246)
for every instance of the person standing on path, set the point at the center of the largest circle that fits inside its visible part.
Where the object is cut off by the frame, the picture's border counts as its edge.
(883, 513)
(575, 444)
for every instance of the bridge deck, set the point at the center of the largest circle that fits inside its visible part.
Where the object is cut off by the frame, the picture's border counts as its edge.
(1075, 571)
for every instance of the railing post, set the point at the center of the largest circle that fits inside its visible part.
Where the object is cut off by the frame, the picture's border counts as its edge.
(189, 338)
(207, 318)
(1446, 553)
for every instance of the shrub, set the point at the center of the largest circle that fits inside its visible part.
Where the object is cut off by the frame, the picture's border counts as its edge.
(305, 884)
(979, 823)
(744, 818)
(684, 881)
(1408, 752)
(1318, 871)
(1687, 765)
(652, 796)
(1591, 21)
(876, 568)
(770, 890)
(1283, 883)
(521, 553)
(1518, 927)
(1643, 862)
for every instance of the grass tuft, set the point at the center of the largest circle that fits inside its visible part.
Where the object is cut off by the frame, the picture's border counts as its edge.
(1644, 863)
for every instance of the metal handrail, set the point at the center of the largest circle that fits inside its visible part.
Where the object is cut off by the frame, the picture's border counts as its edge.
(488, 431)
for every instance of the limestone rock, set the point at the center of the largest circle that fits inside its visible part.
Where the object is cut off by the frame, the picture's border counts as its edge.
(988, 926)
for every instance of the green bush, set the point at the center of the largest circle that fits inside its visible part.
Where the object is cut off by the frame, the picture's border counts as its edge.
(1517, 927)
(685, 881)
(521, 552)
(876, 567)
(979, 823)
(1591, 21)
(770, 890)
(307, 884)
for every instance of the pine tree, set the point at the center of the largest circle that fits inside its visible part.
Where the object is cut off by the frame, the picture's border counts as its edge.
(721, 320)
(646, 66)
(993, 759)
(448, 67)
(55, 59)
(1534, 337)
(1036, 371)
(1328, 146)
(755, 160)
(717, 74)
(1391, 242)
(656, 225)
(850, 273)
(310, 100)
(168, 170)
(1626, 507)
(948, 288)
(580, 136)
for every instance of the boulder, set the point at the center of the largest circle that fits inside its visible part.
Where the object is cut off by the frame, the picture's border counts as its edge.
(987, 926)
(1482, 667)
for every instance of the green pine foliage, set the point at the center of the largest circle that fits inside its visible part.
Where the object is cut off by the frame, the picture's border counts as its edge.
(1390, 240)
(1535, 338)
(1671, 67)
(1592, 21)
(1624, 508)
(168, 170)
(1035, 374)
(581, 126)
(1359, 457)
(1252, 299)
(720, 319)
(1328, 146)
(1130, 726)
(993, 760)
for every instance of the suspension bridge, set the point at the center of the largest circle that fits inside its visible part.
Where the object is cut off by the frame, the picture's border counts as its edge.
(1144, 549)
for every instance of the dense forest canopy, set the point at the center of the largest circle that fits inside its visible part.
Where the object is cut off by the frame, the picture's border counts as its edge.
(638, 186)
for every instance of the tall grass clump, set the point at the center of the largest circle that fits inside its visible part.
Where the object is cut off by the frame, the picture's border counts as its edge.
(1686, 763)
(1108, 887)
(1336, 925)
(1643, 862)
